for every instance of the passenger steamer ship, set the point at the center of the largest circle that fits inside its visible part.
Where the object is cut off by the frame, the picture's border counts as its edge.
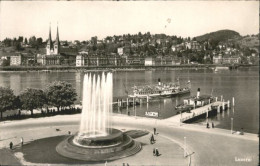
(160, 90)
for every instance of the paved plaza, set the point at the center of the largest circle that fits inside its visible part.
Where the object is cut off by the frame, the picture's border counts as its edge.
(204, 146)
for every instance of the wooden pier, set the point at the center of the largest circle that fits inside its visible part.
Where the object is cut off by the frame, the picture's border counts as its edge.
(201, 112)
(204, 111)
(130, 102)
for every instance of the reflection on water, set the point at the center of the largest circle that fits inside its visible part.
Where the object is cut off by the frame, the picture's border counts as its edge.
(241, 84)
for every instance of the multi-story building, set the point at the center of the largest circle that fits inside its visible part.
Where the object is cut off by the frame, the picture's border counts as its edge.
(149, 61)
(101, 60)
(217, 59)
(160, 61)
(16, 60)
(226, 59)
(80, 60)
(231, 60)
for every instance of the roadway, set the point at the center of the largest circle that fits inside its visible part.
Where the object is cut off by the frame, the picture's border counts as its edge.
(210, 146)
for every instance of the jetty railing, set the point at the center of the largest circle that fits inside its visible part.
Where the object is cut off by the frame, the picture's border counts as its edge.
(195, 112)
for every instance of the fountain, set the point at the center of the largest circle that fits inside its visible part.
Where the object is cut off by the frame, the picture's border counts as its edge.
(96, 139)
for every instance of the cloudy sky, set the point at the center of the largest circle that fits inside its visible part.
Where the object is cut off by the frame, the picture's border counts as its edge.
(83, 19)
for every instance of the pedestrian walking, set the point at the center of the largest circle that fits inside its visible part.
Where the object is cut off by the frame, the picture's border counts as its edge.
(154, 131)
(207, 124)
(157, 152)
(69, 132)
(11, 145)
(154, 152)
(21, 141)
(152, 139)
(242, 131)
(213, 125)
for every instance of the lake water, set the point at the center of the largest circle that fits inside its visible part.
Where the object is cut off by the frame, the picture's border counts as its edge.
(243, 84)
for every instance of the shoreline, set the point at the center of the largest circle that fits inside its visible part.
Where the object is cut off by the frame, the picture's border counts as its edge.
(198, 124)
(48, 69)
(190, 126)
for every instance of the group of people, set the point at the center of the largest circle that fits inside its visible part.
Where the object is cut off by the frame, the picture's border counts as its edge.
(11, 144)
(63, 110)
(48, 112)
(212, 124)
(156, 152)
(152, 141)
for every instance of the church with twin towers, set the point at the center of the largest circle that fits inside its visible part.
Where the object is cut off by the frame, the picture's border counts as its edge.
(53, 47)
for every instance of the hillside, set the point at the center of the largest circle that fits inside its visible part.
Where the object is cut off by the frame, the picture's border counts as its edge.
(251, 42)
(219, 36)
(8, 51)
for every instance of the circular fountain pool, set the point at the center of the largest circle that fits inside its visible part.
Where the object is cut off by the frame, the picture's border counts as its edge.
(113, 146)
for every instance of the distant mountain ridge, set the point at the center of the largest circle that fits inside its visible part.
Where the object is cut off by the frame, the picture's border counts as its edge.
(221, 35)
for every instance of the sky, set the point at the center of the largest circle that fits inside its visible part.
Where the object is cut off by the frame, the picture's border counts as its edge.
(81, 20)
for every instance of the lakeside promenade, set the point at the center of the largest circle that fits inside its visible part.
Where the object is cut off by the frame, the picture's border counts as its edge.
(117, 68)
(210, 146)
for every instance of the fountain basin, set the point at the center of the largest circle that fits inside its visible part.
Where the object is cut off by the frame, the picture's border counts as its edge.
(113, 138)
(124, 146)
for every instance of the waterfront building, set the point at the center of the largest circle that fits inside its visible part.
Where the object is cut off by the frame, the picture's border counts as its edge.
(80, 60)
(226, 59)
(217, 59)
(44, 59)
(135, 60)
(149, 61)
(99, 60)
(160, 61)
(16, 60)
(231, 59)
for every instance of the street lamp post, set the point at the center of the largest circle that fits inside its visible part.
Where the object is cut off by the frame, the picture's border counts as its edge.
(181, 119)
(231, 125)
(184, 146)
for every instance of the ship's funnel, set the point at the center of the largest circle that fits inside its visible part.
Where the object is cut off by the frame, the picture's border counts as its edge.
(159, 81)
(198, 93)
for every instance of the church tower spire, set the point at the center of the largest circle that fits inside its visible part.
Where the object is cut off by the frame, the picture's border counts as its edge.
(49, 46)
(57, 42)
(50, 41)
(57, 37)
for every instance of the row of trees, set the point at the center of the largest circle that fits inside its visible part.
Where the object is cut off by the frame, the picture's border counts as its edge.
(32, 41)
(58, 94)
